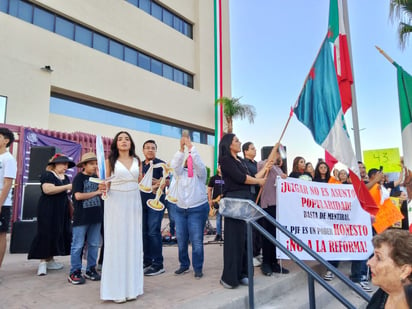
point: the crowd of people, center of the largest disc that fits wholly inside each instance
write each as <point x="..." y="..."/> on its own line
<point x="77" y="218"/>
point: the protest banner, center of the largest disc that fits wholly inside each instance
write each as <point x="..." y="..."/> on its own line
<point x="326" y="217"/>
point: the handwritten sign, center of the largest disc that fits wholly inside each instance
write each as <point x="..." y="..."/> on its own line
<point x="326" y="217"/>
<point x="388" y="158"/>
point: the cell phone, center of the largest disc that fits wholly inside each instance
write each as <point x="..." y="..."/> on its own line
<point x="381" y="168"/>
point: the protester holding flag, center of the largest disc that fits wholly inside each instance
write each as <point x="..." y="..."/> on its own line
<point x="237" y="185"/>
<point x="268" y="203"/>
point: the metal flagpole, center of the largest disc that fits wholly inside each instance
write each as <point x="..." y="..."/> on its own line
<point x="355" y="121"/>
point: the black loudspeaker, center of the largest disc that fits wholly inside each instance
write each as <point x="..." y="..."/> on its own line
<point x="31" y="195"/>
<point x="22" y="236"/>
<point x="39" y="157"/>
<point x="265" y="152"/>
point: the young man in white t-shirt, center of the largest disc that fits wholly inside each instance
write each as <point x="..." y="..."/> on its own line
<point x="8" y="170"/>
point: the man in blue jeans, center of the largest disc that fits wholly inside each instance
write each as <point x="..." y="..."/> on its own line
<point x="87" y="219"/>
<point x="359" y="269"/>
<point x="152" y="218"/>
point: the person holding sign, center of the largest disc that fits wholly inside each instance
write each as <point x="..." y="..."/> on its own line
<point x="237" y="185"/>
<point x="322" y="174"/>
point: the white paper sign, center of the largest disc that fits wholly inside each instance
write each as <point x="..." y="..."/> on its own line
<point x="326" y="217"/>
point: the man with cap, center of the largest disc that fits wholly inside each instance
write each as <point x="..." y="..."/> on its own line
<point x="87" y="219"/>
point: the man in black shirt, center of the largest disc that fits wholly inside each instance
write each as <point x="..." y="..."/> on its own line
<point x="249" y="154"/>
<point x="152" y="219"/>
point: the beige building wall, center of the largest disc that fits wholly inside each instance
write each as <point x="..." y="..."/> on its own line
<point x="84" y="73"/>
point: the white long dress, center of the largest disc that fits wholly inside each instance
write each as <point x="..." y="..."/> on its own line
<point x="122" y="273"/>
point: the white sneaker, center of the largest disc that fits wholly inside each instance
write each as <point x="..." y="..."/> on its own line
<point x="365" y="286"/>
<point x="42" y="270"/>
<point x="328" y="276"/>
<point x="256" y="262"/>
<point x="52" y="264"/>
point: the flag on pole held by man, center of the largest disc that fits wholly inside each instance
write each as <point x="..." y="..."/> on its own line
<point x="319" y="108"/>
<point x="405" y="109"/>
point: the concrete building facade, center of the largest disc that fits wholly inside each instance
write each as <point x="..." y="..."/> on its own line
<point x="100" y="66"/>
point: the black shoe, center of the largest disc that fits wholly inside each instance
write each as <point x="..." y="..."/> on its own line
<point x="266" y="269"/>
<point x="76" y="277"/>
<point x="225" y="285"/>
<point x="182" y="270"/>
<point x="278" y="269"/>
<point x="198" y="275"/>
<point x="146" y="266"/>
<point x="154" y="271"/>
<point x="92" y="274"/>
<point x="218" y="238"/>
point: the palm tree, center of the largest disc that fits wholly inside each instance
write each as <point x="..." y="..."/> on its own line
<point x="232" y="108"/>
<point x="402" y="11"/>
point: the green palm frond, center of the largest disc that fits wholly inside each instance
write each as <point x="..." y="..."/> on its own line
<point x="233" y="108"/>
<point x="401" y="10"/>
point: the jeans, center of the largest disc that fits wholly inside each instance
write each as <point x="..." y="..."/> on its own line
<point x="218" y="223"/>
<point x="190" y="225"/>
<point x="359" y="271"/>
<point x="171" y="209"/>
<point x="152" y="236"/>
<point x="92" y="231"/>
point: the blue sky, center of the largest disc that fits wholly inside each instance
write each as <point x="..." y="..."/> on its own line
<point x="273" y="45"/>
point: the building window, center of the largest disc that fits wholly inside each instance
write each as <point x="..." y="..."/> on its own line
<point x="60" y="25"/>
<point x="164" y="15"/>
<point x="3" y="106"/>
<point x="79" y="109"/>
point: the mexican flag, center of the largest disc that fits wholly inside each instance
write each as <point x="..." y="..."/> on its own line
<point x="337" y="36"/>
<point x="405" y="109"/>
<point x="319" y="108"/>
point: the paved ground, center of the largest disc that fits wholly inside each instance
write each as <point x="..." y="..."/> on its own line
<point x="22" y="288"/>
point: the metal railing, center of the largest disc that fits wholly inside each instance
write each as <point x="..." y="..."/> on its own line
<point x="230" y="208"/>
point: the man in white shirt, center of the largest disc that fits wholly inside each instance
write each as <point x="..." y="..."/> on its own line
<point x="8" y="170"/>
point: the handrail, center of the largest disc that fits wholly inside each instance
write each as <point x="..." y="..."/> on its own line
<point x="311" y="273"/>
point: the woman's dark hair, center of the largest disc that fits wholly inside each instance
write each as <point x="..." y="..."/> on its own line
<point x="317" y="172"/>
<point x="224" y="145"/>
<point x="114" y="152"/>
<point x="295" y="167"/>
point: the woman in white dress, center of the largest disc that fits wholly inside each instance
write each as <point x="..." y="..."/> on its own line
<point x="122" y="272"/>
